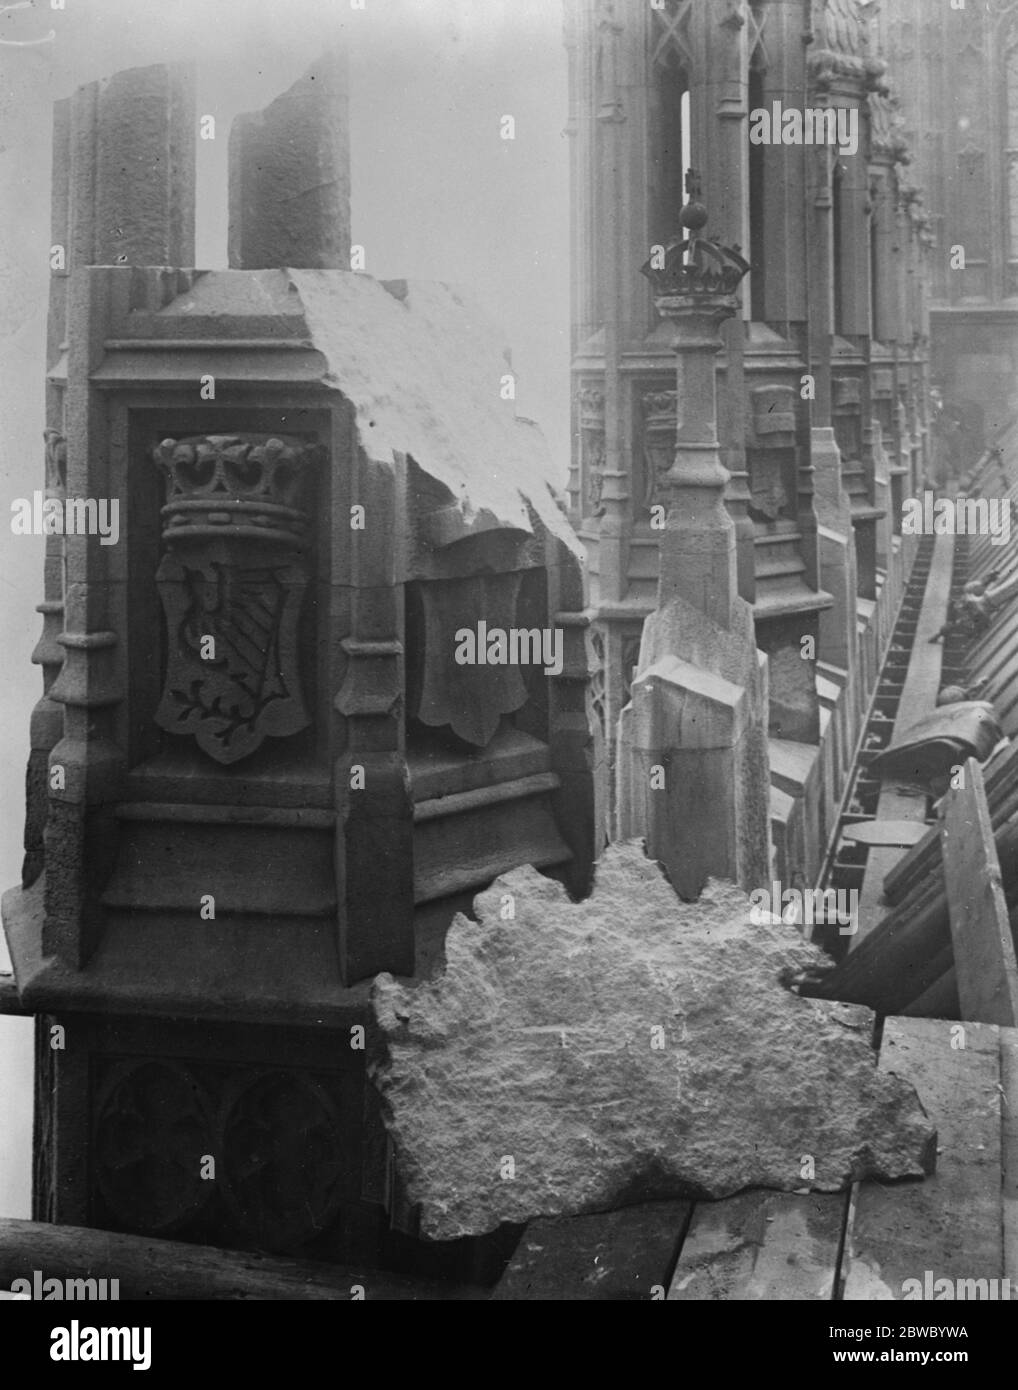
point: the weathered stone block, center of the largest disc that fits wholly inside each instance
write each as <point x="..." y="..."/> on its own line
<point x="578" y="1056"/>
<point x="290" y="176"/>
<point x="126" y="170"/>
<point x="692" y="761"/>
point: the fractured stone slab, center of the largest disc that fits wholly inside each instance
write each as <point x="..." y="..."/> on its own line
<point x="580" y="1056"/>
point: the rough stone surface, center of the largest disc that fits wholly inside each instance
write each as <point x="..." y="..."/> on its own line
<point x="423" y="366"/>
<point x="708" y="732"/>
<point x="525" y="1081"/>
<point x="290" y="175"/>
<point x="126" y="166"/>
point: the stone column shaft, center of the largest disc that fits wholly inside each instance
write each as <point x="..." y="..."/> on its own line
<point x="698" y="543"/>
<point x="290" y="176"/>
<point x="132" y="169"/>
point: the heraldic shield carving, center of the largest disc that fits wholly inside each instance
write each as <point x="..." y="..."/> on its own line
<point x="232" y="580"/>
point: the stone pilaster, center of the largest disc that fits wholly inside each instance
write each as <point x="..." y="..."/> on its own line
<point x="781" y="243"/>
<point x="87" y="765"/>
<point x="374" y="811"/>
<point x="47" y="721"/>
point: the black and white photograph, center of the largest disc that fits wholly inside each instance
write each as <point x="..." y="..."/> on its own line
<point x="509" y="618"/>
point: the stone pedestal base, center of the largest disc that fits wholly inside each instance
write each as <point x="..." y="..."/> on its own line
<point x="692" y="763"/>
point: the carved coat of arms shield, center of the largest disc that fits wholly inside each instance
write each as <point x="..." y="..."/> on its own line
<point x="232" y="581"/>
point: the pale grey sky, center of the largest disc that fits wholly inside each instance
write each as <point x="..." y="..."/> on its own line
<point x="436" y="194"/>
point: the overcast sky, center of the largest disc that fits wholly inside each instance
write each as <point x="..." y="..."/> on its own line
<point x="436" y="194"/>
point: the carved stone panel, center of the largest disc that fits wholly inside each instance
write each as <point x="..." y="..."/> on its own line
<point x="846" y="394"/>
<point x="771" y="485"/>
<point x="283" y="1157"/>
<point x="773" y="416"/>
<point x="460" y="676"/>
<point x="659" y="428"/>
<point x="592" y="448"/>
<point x="255" y="1154"/>
<point x="596" y="693"/>
<point x="232" y="581"/>
<point x="153" y="1123"/>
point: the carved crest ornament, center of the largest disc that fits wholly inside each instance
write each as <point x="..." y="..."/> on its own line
<point x="232" y="580"/>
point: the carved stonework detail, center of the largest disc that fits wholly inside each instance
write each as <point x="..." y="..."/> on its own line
<point x="283" y="1157"/>
<point x="56" y="464"/>
<point x="887" y="129"/>
<point x="842" y="48"/>
<point x="630" y="661"/>
<point x="465" y="688"/>
<point x="232" y="581"/>
<point x="756" y="45"/>
<point x="697" y="266"/>
<point x="152" y="1127"/>
<point x="596" y="686"/>
<point x="768" y="486"/>
<point x="883" y="383"/>
<point x="842" y="27"/>
<point x="846" y="394"/>
<point x="592" y="447"/>
<point x="773" y="412"/>
<point x="659" y="429"/>
<point x="672" y="38"/>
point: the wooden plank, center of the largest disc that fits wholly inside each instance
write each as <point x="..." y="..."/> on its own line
<point x="951" y="1223"/>
<point x="886" y="832"/>
<point x="1009" y="1143"/>
<point x="1001" y="777"/>
<point x="762" y="1245"/>
<point x="940" y="1000"/>
<point x="172" y="1270"/>
<point x="913" y="866"/>
<point x="625" y="1255"/>
<point x="901" y="957"/>
<point x="893" y="966"/>
<point x="980" y="930"/>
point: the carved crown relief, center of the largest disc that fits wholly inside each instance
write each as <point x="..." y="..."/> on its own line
<point x="232" y="580"/>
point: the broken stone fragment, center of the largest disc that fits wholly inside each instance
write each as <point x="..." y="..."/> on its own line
<point x="578" y="1056"/>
